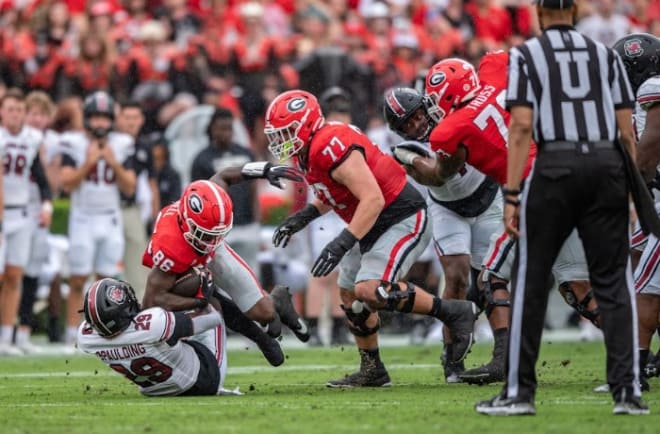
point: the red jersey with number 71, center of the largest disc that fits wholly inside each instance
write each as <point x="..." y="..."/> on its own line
<point x="168" y="250"/>
<point x="482" y="125"/>
<point x="330" y="146"/>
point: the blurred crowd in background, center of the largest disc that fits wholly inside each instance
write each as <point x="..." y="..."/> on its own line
<point x="170" y="54"/>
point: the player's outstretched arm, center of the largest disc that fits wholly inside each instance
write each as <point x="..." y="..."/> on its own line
<point x="274" y="173"/>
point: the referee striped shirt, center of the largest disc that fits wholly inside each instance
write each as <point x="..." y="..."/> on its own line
<point x="573" y="84"/>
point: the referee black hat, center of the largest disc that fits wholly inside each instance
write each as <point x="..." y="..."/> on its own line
<point x="556" y="4"/>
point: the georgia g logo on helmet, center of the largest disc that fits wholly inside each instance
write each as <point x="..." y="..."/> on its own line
<point x="195" y="203"/>
<point x="437" y="78"/>
<point x="296" y="104"/>
<point x="115" y="294"/>
<point x="633" y="48"/>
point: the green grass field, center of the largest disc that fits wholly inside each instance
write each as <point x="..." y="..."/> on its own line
<point x="78" y="394"/>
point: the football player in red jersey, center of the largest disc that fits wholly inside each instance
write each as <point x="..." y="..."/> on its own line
<point x="190" y="233"/>
<point x="387" y="227"/>
<point x="476" y="134"/>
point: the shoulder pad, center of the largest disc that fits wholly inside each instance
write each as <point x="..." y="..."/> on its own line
<point x="648" y="93"/>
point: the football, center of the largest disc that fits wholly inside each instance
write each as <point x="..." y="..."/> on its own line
<point x="188" y="283"/>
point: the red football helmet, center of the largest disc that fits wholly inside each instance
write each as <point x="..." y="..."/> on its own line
<point x="449" y="83"/>
<point x="206" y="213"/>
<point x="291" y="119"/>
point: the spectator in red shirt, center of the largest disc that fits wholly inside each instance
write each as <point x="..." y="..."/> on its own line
<point x="492" y="23"/>
<point x="91" y="69"/>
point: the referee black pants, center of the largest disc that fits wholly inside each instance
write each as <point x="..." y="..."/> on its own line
<point x="589" y="191"/>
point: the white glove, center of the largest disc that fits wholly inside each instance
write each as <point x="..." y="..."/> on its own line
<point x="406" y="152"/>
<point x="404" y="156"/>
<point x="273" y="173"/>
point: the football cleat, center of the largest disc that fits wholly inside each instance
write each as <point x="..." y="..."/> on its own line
<point x="499" y="406"/>
<point x="377" y="377"/>
<point x="271" y="349"/>
<point x="459" y="316"/>
<point x="288" y="315"/>
<point x="491" y="372"/>
<point x="631" y="406"/>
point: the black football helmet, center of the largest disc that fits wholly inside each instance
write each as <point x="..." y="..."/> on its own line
<point x="98" y="103"/>
<point x="640" y="53"/>
<point x="399" y="104"/>
<point x="110" y="306"/>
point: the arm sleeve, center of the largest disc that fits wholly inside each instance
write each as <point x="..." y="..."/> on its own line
<point x="39" y="174"/>
<point x="183" y="327"/>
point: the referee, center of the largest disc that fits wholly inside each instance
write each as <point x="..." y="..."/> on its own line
<point x="571" y="95"/>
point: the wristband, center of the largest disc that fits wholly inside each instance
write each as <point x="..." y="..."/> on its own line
<point x="510" y="191"/>
<point x="514" y="202"/>
<point x="347" y="239"/>
<point x="310" y="212"/>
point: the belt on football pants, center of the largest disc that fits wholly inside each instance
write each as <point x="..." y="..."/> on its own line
<point x="581" y="147"/>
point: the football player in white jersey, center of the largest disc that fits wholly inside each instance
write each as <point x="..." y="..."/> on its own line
<point x="40" y="111"/>
<point x="20" y="148"/>
<point x="640" y="54"/>
<point x="165" y="353"/>
<point x="466" y="209"/>
<point x="94" y="170"/>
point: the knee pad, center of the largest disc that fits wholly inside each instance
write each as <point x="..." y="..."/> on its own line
<point x="391" y="294"/>
<point x="490" y="302"/>
<point x="581" y="306"/>
<point x="357" y="322"/>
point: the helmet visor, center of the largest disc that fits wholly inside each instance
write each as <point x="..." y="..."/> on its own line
<point x="283" y="142"/>
<point x="205" y="240"/>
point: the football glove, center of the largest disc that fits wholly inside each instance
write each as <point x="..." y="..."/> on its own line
<point x="273" y="173"/>
<point x="293" y="224"/>
<point x="206" y="287"/>
<point x="332" y="253"/>
<point x="405" y="152"/>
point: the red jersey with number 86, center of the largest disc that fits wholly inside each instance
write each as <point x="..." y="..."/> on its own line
<point x="482" y="125"/>
<point x="168" y="250"/>
<point x="330" y="146"/>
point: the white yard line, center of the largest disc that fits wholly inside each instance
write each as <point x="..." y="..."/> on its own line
<point x="237" y="370"/>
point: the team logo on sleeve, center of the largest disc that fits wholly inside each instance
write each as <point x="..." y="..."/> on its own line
<point x="296" y="104"/>
<point x="115" y="294"/>
<point x="437" y="78"/>
<point x="195" y="203"/>
<point x="633" y="48"/>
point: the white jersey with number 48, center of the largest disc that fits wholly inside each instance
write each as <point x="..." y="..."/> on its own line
<point x="18" y="154"/>
<point x="98" y="192"/>
<point x="141" y="353"/>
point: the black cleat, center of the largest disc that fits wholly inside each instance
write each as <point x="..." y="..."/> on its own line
<point x="271" y="350"/>
<point x="652" y="368"/>
<point x="491" y="372"/>
<point x="369" y="378"/>
<point x="631" y="406"/>
<point x="459" y="317"/>
<point x="452" y="370"/>
<point x="500" y="406"/>
<point x="288" y="315"/>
